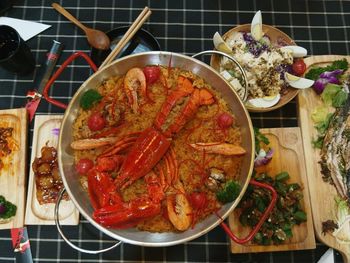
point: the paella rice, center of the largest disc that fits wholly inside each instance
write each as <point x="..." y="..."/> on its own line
<point x="182" y="171"/>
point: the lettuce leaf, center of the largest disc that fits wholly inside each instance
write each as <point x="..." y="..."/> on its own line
<point x="319" y="114"/>
<point x="322" y="126"/>
<point x="339" y="99"/>
<point x="342" y="209"/>
<point x="334" y="95"/>
<point x="329" y="92"/>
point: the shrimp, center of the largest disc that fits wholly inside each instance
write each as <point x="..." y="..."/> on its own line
<point x="134" y="79"/>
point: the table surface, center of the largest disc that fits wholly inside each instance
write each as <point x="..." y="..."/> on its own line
<point x="185" y="27"/>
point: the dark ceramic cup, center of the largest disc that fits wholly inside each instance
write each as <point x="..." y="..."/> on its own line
<point x="15" y="55"/>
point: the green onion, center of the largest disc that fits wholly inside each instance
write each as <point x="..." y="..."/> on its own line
<point x="281" y="188"/>
<point x="259" y="138"/>
<point x="283" y="176"/>
<point x="300" y="216"/>
<point x="260" y="204"/>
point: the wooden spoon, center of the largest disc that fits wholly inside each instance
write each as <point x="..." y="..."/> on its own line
<point x="96" y="38"/>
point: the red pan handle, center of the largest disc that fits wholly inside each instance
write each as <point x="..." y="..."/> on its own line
<point x="58" y="73"/>
<point x="262" y="219"/>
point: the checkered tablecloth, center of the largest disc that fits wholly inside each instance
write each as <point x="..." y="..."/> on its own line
<point x="323" y="27"/>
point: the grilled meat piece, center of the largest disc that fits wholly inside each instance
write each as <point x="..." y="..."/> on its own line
<point x="47" y="179"/>
<point x="336" y="150"/>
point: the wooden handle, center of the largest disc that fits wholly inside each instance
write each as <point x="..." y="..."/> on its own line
<point x="67" y="15"/>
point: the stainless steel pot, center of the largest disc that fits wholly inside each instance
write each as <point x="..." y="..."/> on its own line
<point x="119" y="67"/>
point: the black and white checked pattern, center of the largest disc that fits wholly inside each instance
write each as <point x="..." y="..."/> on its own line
<point x="180" y="26"/>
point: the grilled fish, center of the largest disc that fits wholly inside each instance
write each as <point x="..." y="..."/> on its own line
<point x="335" y="153"/>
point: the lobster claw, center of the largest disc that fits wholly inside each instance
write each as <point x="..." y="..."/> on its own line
<point x="148" y="149"/>
<point x="124" y="215"/>
<point x="101" y="189"/>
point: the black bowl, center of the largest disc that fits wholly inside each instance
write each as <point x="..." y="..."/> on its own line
<point x="141" y="42"/>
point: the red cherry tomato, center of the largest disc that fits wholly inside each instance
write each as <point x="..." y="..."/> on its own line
<point x="225" y="120"/>
<point x="96" y="122"/>
<point x="299" y="67"/>
<point x="152" y="74"/>
<point x="84" y="165"/>
<point x="198" y="200"/>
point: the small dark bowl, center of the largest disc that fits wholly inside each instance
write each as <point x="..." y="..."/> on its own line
<point x="142" y="41"/>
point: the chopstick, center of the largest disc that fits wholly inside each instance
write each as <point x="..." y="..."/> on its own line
<point x="135" y="26"/>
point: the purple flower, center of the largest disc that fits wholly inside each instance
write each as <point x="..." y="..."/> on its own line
<point x="254" y="47"/>
<point x="263" y="157"/>
<point x="55" y="131"/>
<point x="325" y="78"/>
<point x="282" y="68"/>
<point x="331" y="74"/>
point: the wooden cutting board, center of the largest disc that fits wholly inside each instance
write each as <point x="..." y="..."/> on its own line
<point x="46" y="130"/>
<point x="288" y="156"/>
<point x="322" y="194"/>
<point x="13" y="176"/>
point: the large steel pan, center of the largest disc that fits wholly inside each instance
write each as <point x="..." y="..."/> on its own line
<point x="119" y="67"/>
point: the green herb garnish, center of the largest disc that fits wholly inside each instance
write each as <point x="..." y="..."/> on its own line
<point x="89" y="98"/>
<point x="314" y="73"/>
<point x="8" y="209"/>
<point x="340" y="64"/>
<point x="229" y="192"/>
<point x="318" y="142"/>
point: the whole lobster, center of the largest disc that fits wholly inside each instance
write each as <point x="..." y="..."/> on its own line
<point x="148" y="148"/>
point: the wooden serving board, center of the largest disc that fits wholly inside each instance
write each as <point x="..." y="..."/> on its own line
<point x="322" y="194"/>
<point x="45" y="132"/>
<point x="289" y="157"/>
<point x="13" y="175"/>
